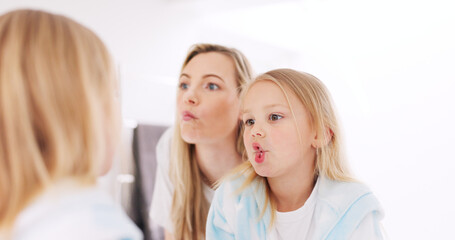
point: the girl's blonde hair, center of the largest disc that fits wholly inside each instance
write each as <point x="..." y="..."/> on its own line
<point x="330" y="160"/>
<point x="189" y="205"/>
<point x="58" y="119"/>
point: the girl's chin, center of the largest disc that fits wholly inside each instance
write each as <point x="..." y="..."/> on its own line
<point x="261" y="170"/>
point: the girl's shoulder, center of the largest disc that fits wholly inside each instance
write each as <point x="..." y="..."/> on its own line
<point x="342" y="206"/>
<point x="235" y="191"/>
<point x="236" y="208"/>
<point x="341" y="195"/>
<point x="237" y="186"/>
<point x="340" y="190"/>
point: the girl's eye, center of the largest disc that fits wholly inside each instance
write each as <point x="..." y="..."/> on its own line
<point x="183" y="86"/>
<point x="213" y="86"/>
<point x="275" y="117"/>
<point x="249" y="122"/>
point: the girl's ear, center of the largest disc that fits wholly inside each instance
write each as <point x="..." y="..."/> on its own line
<point x="322" y="139"/>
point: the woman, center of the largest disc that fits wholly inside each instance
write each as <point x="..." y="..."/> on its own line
<point x="204" y="143"/>
<point x="59" y="121"/>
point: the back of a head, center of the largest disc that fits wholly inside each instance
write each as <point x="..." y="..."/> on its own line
<point x="58" y="116"/>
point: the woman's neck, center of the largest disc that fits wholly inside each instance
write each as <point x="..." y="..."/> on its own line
<point x="292" y="190"/>
<point x="217" y="158"/>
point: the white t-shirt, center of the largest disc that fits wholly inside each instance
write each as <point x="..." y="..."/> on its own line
<point x="160" y="209"/>
<point x="296" y="224"/>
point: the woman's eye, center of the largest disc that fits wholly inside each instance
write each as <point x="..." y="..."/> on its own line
<point x="249" y="122"/>
<point x="183" y="86"/>
<point x="213" y="86"/>
<point x="274" y="117"/>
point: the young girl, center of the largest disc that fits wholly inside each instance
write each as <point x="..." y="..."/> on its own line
<point x="295" y="184"/>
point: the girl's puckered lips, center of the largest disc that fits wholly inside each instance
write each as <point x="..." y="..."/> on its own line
<point x="259" y="153"/>
<point x="257" y="147"/>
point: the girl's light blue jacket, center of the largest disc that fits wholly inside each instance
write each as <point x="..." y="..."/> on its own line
<point x="340" y="209"/>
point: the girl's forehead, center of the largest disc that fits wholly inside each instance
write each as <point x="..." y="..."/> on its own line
<point x="264" y="92"/>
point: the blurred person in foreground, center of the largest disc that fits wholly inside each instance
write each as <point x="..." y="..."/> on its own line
<point x="59" y="126"/>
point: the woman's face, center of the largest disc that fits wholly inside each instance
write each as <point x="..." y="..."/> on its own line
<point x="207" y="100"/>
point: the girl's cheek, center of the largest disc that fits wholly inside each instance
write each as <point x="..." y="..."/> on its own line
<point x="280" y="137"/>
<point x="277" y="135"/>
<point x="246" y="138"/>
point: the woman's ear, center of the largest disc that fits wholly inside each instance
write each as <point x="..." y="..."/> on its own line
<point x="321" y="139"/>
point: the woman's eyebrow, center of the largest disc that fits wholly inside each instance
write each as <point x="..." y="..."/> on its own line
<point x="205" y="76"/>
<point x="184" y="75"/>
<point x="213" y="75"/>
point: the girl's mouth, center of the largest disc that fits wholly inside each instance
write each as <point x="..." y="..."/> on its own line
<point x="259" y="153"/>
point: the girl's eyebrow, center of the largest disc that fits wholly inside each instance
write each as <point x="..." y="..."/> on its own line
<point x="267" y="107"/>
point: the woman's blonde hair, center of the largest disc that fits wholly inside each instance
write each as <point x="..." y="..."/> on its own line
<point x="330" y="160"/>
<point x="189" y="205"/>
<point x="58" y="119"/>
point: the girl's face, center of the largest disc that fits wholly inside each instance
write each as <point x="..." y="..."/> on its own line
<point x="208" y="106"/>
<point x="274" y="144"/>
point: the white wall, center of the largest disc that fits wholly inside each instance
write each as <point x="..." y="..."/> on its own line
<point x="389" y="65"/>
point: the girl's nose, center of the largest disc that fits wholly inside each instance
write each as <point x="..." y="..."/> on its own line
<point x="258" y="133"/>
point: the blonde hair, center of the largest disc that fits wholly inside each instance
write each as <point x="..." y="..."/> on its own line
<point x="330" y="160"/>
<point x="189" y="205"/>
<point x="57" y="116"/>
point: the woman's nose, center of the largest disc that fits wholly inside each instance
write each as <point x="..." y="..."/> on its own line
<point x="191" y="98"/>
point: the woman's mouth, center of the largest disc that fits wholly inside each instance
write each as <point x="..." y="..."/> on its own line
<point x="187" y="116"/>
<point x="259" y="153"/>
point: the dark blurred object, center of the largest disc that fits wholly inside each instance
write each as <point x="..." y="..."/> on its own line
<point x="145" y="139"/>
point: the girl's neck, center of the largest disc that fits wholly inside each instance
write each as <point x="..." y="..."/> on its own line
<point x="215" y="159"/>
<point x="291" y="191"/>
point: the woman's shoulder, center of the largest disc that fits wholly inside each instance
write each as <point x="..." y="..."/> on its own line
<point x="165" y="141"/>
<point x="85" y="213"/>
<point x="163" y="147"/>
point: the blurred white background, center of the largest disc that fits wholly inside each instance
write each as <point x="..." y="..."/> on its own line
<point x="390" y="66"/>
